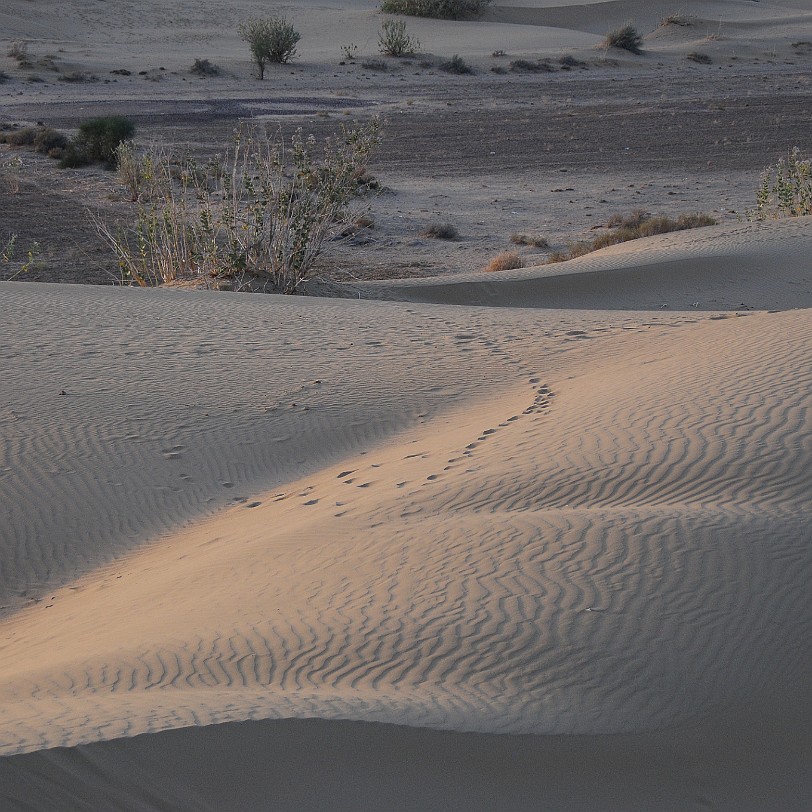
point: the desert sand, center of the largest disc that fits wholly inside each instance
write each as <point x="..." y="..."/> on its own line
<point x="537" y="539"/>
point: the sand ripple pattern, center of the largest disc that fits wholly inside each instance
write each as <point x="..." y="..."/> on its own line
<point x="621" y="548"/>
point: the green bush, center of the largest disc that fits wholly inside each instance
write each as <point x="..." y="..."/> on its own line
<point x="394" y="41"/>
<point x="270" y="40"/>
<point x="786" y="189"/>
<point x="626" y="38"/>
<point x="439" y="9"/>
<point x="98" y="141"/>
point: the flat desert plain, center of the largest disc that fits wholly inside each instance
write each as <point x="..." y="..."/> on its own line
<point x="429" y="537"/>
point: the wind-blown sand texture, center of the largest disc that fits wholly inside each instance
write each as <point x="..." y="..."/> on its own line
<point x="530" y="540"/>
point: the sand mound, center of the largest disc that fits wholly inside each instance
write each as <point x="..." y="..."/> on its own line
<point x="756" y="266"/>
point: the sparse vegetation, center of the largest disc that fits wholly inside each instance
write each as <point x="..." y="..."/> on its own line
<point x="525" y="66"/>
<point x="4" y="77"/>
<point x="626" y="37"/>
<point x="262" y="210"/>
<point x="375" y="64"/>
<point x="97" y="142"/>
<point x="439" y="9"/>
<point x="440" y="231"/>
<point x="524" y="239"/>
<point x="681" y="20"/>
<point x="394" y="41"/>
<point x="785" y="190"/>
<point x="202" y="67"/>
<point x="44" y="140"/>
<point x="19" y="50"/>
<point x="349" y="52"/>
<point x="10" y="172"/>
<point x="568" y="62"/>
<point x="270" y="40"/>
<point x="632" y="227"/>
<point x="698" y="57"/>
<point x="506" y="261"/>
<point x="456" y="65"/>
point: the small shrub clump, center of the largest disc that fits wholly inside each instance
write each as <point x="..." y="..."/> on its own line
<point x="394" y="41"/>
<point x="699" y="58"/>
<point x="44" y="140"/>
<point x="440" y="231"/>
<point x="97" y="142"/>
<point x="270" y="40"/>
<point x="524" y="239"/>
<point x="202" y="67"/>
<point x="263" y="209"/>
<point x="456" y="65"/>
<point x="785" y="190"/>
<point x="626" y="37"/>
<point x="506" y="261"/>
<point x="632" y="227"/>
<point x="438" y="9"/>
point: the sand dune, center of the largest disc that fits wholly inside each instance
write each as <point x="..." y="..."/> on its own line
<point x="601" y="529"/>
<point x="537" y="539"/>
<point x="754" y="266"/>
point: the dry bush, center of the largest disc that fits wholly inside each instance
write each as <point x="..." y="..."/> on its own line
<point x="525" y="66"/>
<point x="568" y="62"/>
<point x="785" y="190"/>
<point x="681" y="20"/>
<point x="263" y="209"/>
<point x="10" y="172"/>
<point x="440" y="231"/>
<point x="394" y="41"/>
<point x="632" y="227"/>
<point x="506" y="261"/>
<point x="456" y="65"/>
<point x="439" y="9"/>
<point x="524" y="239"/>
<point x="42" y="139"/>
<point x="625" y="37"/>
<point x="698" y="57"/>
<point x="19" y="50"/>
<point x="202" y="67"/>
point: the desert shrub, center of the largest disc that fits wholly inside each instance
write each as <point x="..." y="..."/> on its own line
<point x="456" y="65"/>
<point x="439" y="9"/>
<point x="10" y="173"/>
<point x="270" y="40"/>
<point x="682" y="20"/>
<point x="375" y="64"/>
<point x="632" y="227"/>
<point x="785" y="190"/>
<point x="263" y="209"/>
<point x="698" y="57"/>
<point x="349" y="52"/>
<point x="625" y="37"/>
<point x="440" y="231"/>
<point x="394" y="41"/>
<point x="568" y="62"/>
<point x="202" y="67"/>
<point x="98" y="140"/>
<point x="19" y="51"/>
<point x="506" y="261"/>
<point x="525" y="66"/>
<point x="524" y="239"/>
<point x="41" y="139"/>
<point x="76" y="76"/>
